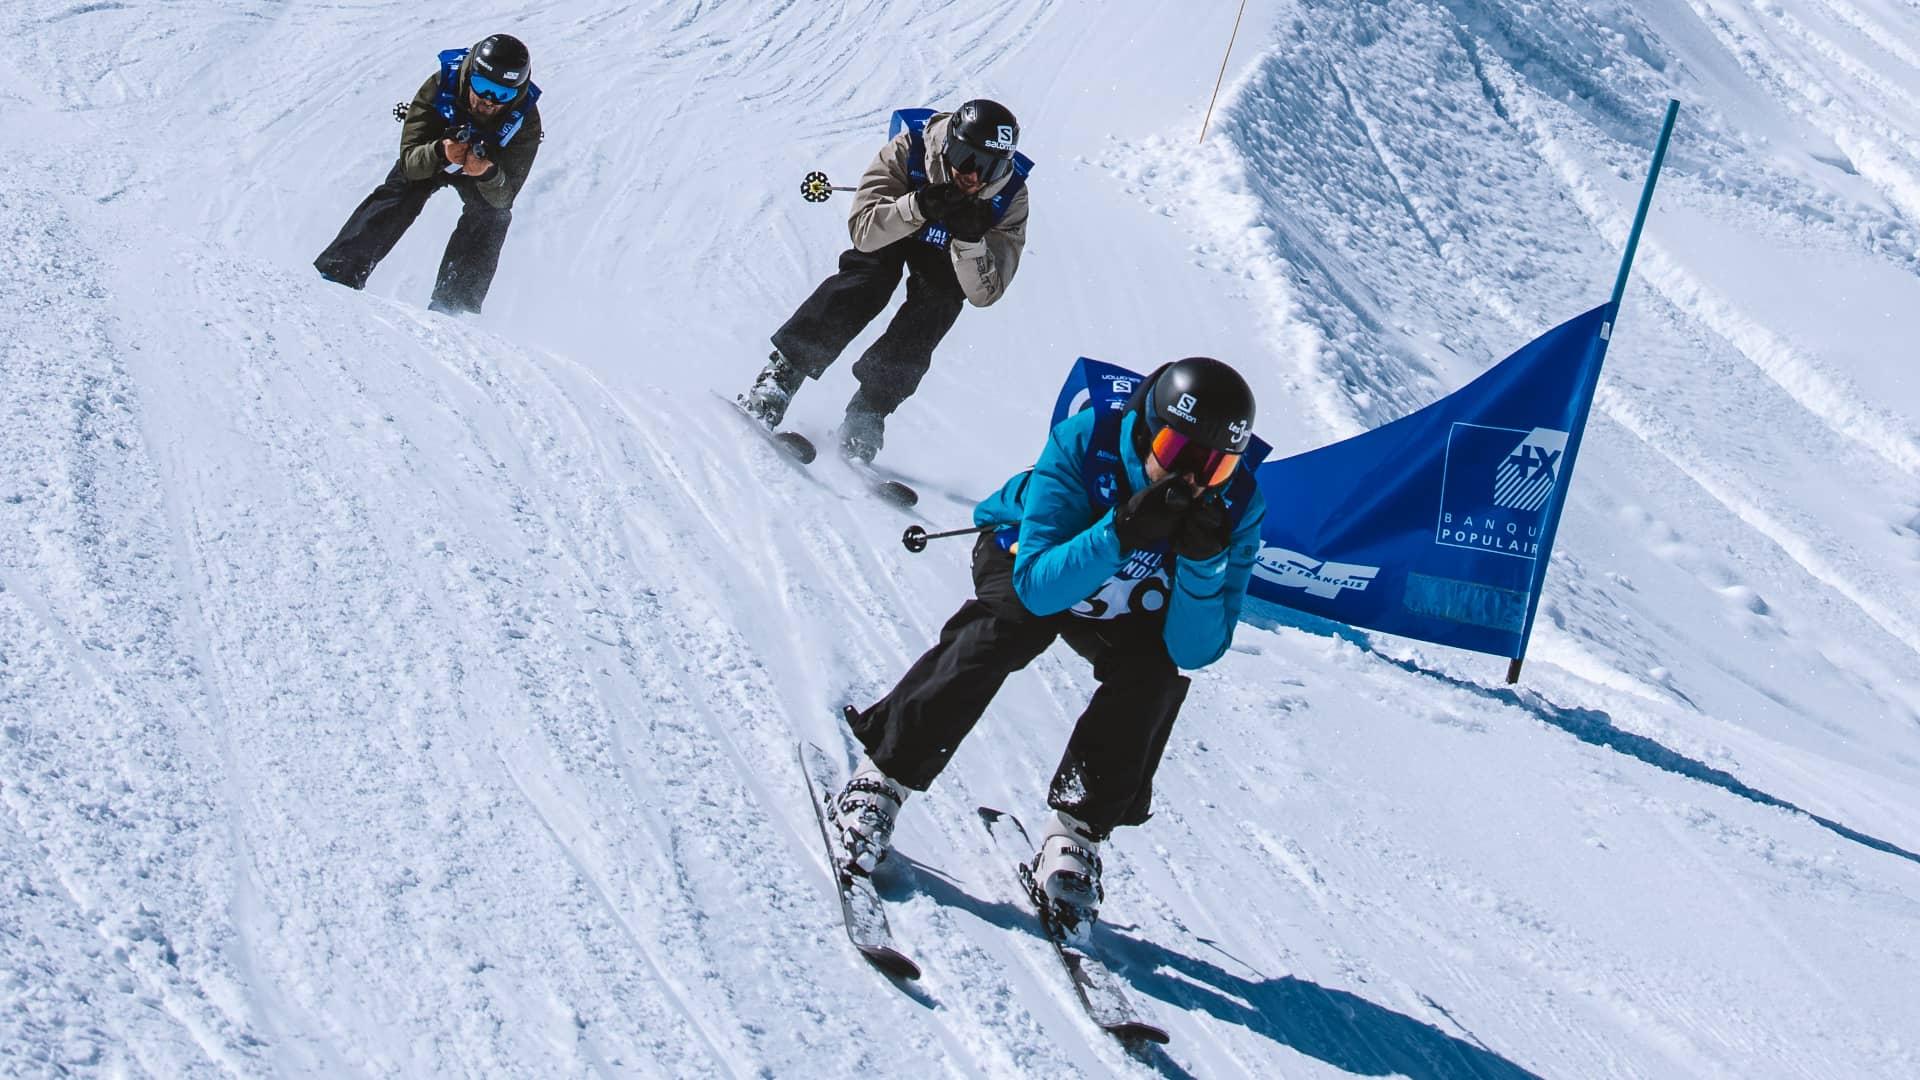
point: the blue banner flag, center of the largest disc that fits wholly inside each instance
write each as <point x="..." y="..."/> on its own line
<point x="1436" y="526"/>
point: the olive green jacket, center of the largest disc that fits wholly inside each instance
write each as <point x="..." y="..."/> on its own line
<point x="421" y="156"/>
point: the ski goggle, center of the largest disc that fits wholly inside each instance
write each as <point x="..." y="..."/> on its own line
<point x="988" y="165"/>
<point x="1178" y="454"/>
<point x="492" y="91"/>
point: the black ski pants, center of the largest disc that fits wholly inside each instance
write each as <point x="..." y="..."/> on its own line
<point x="842" y="306"/>
<point x="1105" y="777"/>
<point x="473" y="251"/>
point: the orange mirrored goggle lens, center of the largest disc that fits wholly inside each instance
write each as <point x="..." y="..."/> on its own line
<point x="1178" y="454"/>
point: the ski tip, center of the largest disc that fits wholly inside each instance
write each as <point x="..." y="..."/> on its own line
<point x="991" y="816"/>
<point x="1135" y="1031"/>
<point x="891" y="962"/>
<point x="993" y="819"/>
<point x="897" y="493"/>
<point x="797" y="446"/>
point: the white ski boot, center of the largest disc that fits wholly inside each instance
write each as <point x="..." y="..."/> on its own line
<point x="1067" y="870"/>
<point x="863" y="815"/>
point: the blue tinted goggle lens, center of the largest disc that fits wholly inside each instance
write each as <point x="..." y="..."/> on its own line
<point x="491" y="90"/>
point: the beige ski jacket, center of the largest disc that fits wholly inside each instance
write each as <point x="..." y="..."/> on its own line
<point x="884" y="212"/>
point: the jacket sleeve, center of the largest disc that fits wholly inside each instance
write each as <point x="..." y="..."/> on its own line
<point x="1003" y="507"/>
<point x="515" y="161"/>
<point x="1062" y="559"/>
<point x="883" y="206"/>
<point x="420" y="137"/>
<point x="1207" y="595"/>
<point x="985" y="269"/>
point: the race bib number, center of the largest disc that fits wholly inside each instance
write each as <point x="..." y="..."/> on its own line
<point x="1141" y="587"/>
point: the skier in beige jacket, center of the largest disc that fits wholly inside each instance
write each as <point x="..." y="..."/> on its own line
<point x="946" y="202"/>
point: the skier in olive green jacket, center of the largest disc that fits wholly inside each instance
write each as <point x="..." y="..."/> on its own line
<point x="475" y="126"/>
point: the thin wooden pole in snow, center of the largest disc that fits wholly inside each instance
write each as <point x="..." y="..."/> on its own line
<point x="1223" y="71"/>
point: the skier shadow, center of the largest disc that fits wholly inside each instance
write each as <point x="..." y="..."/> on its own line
<point x="1342" y="1029"/>
<point x="1596" y="728"/>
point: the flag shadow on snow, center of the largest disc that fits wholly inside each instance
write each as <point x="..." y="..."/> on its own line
<point x="1596" y="728"/>
<point x="1590" y="726"/>
<point x="1342" y="1029"/>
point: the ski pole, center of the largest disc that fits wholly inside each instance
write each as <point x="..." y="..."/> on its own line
<point x="817" y="188"/>
<point x="915" y="538"/>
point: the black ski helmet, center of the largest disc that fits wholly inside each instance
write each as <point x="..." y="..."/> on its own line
<point x="1203" y="399"/>
<point x="981" y="138"/>
<point x="502" y="59"/>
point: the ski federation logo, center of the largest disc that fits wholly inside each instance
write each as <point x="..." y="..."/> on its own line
<point x="1495" y="490"/>
<point x="1317" y="577"/>
<point x="1004" y="141"/>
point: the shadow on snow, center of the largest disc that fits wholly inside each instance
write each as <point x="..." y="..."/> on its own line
<point x="1597" y="728"/>
<point x="1342" y="1029"/>
<point x="1588" y="725"/>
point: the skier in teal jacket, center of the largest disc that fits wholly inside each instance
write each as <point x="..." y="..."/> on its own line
<point x="1133" y="538"/>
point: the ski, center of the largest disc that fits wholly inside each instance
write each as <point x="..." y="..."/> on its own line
<point x="800" y="450"/>
<point x="887" y="488"/>
<point x="860" y="905"/>
<point x="794" y="445"/>
<point x="1099" y="989"/>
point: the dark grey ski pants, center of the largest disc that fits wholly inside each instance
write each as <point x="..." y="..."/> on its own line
<point x="1105" y="777"/>
<point x="382" y="218"/>
<point x="842" y="306"/>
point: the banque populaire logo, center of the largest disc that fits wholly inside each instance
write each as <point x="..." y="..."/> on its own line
<point x="1496" y="487"/>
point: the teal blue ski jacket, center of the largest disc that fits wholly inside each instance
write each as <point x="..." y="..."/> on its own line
<point x="1067" y="550"/>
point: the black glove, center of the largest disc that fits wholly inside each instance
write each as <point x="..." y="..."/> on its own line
<point x="1150" y="517"/>
<point x="1203" y="533"/>
<point x="936" y="201"/>
<point x="970" y="221"/>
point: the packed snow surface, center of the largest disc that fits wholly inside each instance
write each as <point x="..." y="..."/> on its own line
<point x="387" y="694"/>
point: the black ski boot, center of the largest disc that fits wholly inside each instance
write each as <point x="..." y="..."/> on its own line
<point x="863" y="430"/>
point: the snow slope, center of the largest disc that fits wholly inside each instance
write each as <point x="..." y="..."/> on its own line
<point x="382" y="694"/>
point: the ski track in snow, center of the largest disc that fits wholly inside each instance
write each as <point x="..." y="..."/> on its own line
<point x="392" y="695"/>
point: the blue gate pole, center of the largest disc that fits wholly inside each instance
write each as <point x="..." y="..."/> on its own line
<point x="1586" y="404"/>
